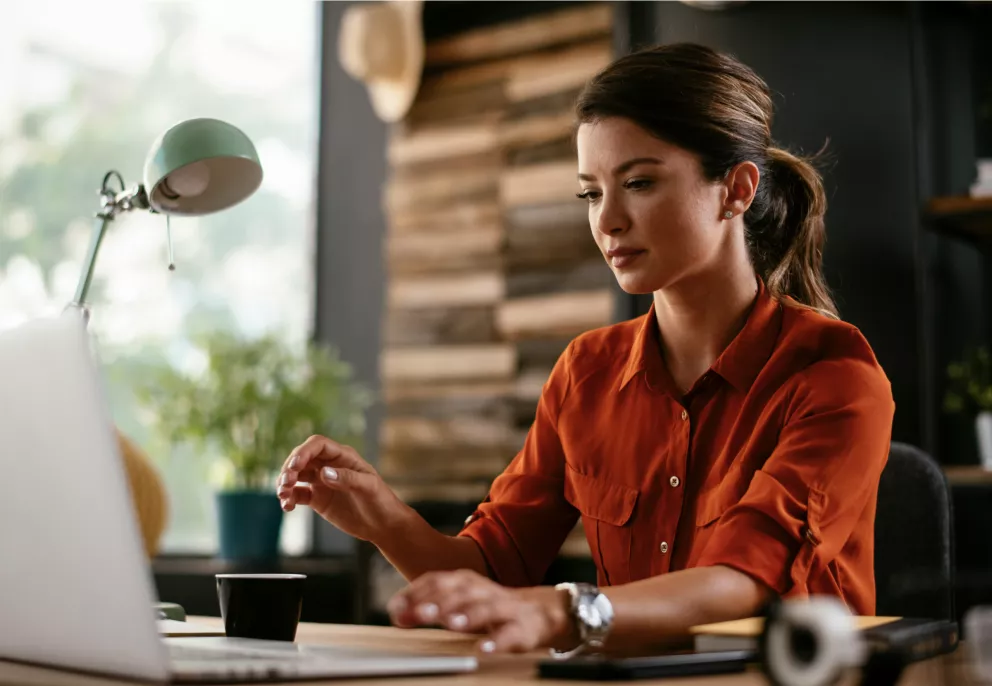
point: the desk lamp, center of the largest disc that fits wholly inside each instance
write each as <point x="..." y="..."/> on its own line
<point x="197" y="167"/>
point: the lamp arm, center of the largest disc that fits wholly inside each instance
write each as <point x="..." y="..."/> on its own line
<point x="112" y="203"/>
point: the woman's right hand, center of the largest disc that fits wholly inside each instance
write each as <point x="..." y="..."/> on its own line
<point x="341" y="487"/>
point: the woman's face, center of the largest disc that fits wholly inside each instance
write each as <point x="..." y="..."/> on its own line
<point x="654" y="215"/>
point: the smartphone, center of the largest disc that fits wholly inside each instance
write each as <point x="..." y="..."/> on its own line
<point x="600" y="668"/>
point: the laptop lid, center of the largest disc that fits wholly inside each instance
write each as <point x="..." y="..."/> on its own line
<point x="75" y="589"/>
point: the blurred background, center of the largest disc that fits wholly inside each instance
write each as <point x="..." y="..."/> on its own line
<point x="444" y="258"/>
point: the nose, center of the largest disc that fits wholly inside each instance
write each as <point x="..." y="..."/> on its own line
<point x="611" y="217"/>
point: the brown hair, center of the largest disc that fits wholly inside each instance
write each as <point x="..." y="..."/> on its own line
<point x="718" y="108"/>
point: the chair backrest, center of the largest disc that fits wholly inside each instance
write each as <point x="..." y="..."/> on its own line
<point x="914" y="556"/>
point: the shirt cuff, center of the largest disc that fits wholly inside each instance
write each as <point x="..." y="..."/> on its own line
<point x="498" y="549"/>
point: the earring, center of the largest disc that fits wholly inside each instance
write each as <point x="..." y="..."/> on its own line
<point x="728" y="215"/>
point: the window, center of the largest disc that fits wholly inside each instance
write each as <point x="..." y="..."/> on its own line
<point x="86" y="88"/>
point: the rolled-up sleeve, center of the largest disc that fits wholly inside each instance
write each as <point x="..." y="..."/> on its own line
<point x="819" y="483"/>
<point x="524" y="520"/>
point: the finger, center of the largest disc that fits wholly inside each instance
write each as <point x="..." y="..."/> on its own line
<point x="433" y="596"/>
<point x="479" y="617"/>
<point x="511" y="637"/>
<point x="320" y="447"/>
<point x="289" y="498"/>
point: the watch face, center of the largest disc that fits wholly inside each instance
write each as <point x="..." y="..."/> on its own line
<point x="603" y="608"/>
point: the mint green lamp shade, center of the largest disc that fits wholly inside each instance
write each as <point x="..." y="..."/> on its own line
<point x="201" y="166"/>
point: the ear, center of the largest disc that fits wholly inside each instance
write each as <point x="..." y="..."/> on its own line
<point x="741" y="183"/>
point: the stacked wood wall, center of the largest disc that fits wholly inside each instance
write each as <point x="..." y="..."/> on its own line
<point x="491" y="266"/>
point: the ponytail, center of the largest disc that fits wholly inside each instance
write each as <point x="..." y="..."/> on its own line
<point x="785" y="231"/>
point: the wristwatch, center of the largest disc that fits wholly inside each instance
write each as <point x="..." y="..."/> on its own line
<point x="593" y="614"/>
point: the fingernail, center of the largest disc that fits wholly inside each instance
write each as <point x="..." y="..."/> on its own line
<point x="283" y="503"/>
<point x="284" y="479"/>
<point x="488" y="646"/>
<point x="427" y="611"/>
<point x="295" y="462"/>
<point x="329" y="474"/>
<point x="457" y="622"/>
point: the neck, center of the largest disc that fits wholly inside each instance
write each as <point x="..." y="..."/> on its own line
<point x="699" y="316"/>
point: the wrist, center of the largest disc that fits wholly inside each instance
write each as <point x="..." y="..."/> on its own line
<point x="566" y="634"/>
<point x="397" y="522"/>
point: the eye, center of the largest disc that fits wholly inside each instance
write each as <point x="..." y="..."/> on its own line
<point x="637" y="184"/>
<point x="588" y="195"/>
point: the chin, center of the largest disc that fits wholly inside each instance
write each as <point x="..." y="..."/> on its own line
<point x="636" y="284"/>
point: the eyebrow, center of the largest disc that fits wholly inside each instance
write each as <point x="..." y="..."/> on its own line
<point x="621" y="168"/>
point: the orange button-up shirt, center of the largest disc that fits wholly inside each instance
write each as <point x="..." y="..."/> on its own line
<point x="769" y="464"/>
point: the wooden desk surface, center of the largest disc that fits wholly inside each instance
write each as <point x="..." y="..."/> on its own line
<point x="498" y="670"/>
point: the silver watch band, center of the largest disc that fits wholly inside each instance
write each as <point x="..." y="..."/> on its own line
<point x="593" y="615"/>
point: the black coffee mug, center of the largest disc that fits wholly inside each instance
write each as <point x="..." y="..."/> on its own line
<point x="265" y="606"/>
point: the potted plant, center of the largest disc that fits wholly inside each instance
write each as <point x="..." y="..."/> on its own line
<point x="253" y="403"/>
<point x="970" y="390"/>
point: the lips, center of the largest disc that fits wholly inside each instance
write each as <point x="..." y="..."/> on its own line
<point x="621" y="257"/>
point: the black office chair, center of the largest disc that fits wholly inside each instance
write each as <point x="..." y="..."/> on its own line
<point x="914" y="545"/>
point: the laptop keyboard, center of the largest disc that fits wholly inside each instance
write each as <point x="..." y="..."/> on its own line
<point x="203" y="665"/>
<point x="227" y="654"/>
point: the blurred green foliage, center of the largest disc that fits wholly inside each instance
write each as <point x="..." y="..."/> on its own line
<point x="969" y="386"/>
<point x="256" y="400"/>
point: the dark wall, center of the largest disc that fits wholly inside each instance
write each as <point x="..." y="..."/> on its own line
<point x="842" y="72"/>
<point x="350" y="227"/>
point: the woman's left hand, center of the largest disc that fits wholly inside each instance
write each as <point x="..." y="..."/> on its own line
<point x="512" y="619"/>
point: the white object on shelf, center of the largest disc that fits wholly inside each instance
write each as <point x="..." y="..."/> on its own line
<point x="983" y="431"/>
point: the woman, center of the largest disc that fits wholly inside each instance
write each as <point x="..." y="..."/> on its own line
<point x="722" y="448"/>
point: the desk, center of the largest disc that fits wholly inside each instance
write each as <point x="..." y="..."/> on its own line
<point x="495" y="670"/>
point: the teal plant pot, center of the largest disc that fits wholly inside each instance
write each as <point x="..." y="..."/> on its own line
<point x="249" y="523"/>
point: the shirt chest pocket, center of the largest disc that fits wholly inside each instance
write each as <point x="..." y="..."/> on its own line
<point x="606" y="508"/>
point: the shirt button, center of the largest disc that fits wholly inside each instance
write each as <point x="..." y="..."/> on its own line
<point x="663" y="547"/>
<point x="674" y="482"/>
<point x="685" y="415"/>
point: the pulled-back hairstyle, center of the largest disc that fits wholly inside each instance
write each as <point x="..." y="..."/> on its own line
<point x="716" y="107"/>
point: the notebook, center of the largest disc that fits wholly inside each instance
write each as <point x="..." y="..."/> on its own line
<point x="742" y="634"/>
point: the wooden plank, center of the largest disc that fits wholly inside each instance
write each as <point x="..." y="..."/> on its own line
<point x="518" y="78"/>
<point x="432" y="326"/>
<point x="591" y="273"/>
<point x="409" y="432"/>
<point x="433" y="142"/>
<point x="434" y="105"/>
<point x="556" y="72"/>
<point x="404" y="193"/>
<point x="455" y="290"/>
<point x="968" y="475"/>
<point x="456" y="216"/>
<point x="496" y="407"/>
<point x="535" y="129"/>
<point x="549" y="183"/>
<point x="532" y="33"/>
<point x="451" y="464"/>
<point x="554" y="316"/>
<point x="441" y="491"/>
<point x="552" y="151"/>
<point x="576" y="543"/>
<point x="450" y="390"/>
<point x="420" y="252"/>
<point x="451" y="363"/>
<point x="540" y="352"/>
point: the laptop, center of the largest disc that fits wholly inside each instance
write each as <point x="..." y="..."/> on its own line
<point x="76" y="590"/>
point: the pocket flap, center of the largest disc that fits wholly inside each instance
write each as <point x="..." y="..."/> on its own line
<point x="599" y="499"/>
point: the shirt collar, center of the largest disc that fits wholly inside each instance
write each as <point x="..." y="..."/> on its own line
<point x="739" y="364"/>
